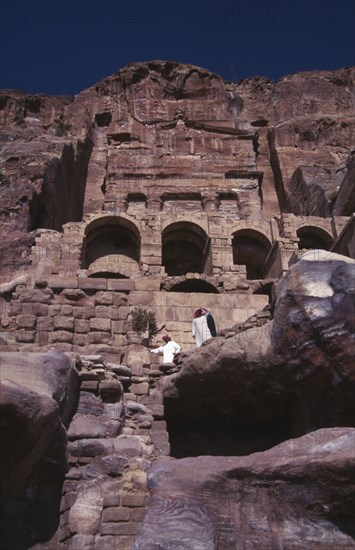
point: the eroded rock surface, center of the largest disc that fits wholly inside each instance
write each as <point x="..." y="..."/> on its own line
<point x="149" y="122"/>
<point x="37" y="398"/>
<point x="298" y="495"/>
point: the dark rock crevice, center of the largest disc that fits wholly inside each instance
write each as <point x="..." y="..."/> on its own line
<point x="61" y="197"/>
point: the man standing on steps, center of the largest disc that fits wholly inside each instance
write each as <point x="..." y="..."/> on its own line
<point x="200" y="330"/>
<point x="168" y="350"/>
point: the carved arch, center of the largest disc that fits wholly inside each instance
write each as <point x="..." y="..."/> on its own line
<point x="314" y="237"/>
<point x="250" y="248"/>
<point x="186" y="248"/>
<point x="111" y="244"/>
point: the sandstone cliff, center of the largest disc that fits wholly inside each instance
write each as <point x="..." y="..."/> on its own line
<point x="62" y="157"/>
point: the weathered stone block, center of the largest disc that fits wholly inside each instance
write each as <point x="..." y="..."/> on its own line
<point x="62" y="336"/>
<point x="114" y="313"/>
<point x="86" y="427"/>
<point x="77" y="312"/>
<point x="133" y="500"/>
<point x="64" y="323"/>
<point x="25" y="336"/>
<point x="160" y="441"/>
<point x="81" y="325"/>
<point x="124" y="285"/>
<point x="138" y="354"/>
<point x="140" y="389"/>
<point x="118" y="327"/>
<point x="67" y="310"/>
<point x="15" y="309"/>
<point x="92" y="284"/>
<point x="63" y="282"/>
<point x="102" y="311"/>
<point x="85" y="515"/>
<point x="157" y="411"/>
<point x="37" y="295"/>
<point x="28" y="309"/>
<point x="111" y="387"/>
<point x="44" y="324"/>
<point x="127" y="445"/>
<point x="88" y="312"/>
<point x="137" y="369"/>
<point x="80" y="339"/>
<point x="26" y="321"/>
<point x="140" y="298"/>
<point x="119" y="299"/>
<point x="42" y="338"/>
<point x="99" y="337"/>
<point x="147" y="284"/>
<point x="112" y="499"/>
<point x="90" y="447"/>
<point x="124" y="312"/>
<point x="159" y="426"/>
<point x="103" y="298"/>
<point x="100" y="324"/>
<point x="90" y="385"/>
<point x="54" y="310"/>
<point x="116" y="514"/>
<point x="119" y="529"/>
<point x="41" y="310"/>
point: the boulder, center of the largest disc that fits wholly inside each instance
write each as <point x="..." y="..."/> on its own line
<point x="298" y="495"/>
<point x="37" y="398"/>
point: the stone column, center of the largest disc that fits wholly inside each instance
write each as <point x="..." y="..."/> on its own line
<point x="154" y="203"/>
<point x="210" y="203"/>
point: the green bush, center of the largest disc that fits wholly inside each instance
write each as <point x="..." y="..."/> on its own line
<point x="143" y="320"/>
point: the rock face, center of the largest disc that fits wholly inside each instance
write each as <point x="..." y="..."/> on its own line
<point x="38" y="396"/>
<point x="300" y="494"/>
<point x="164" y="186"/>
<point x="160" y="120"/>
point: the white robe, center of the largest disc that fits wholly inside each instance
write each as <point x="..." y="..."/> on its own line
<point x="200" y="330"/>
<point x="168" y="351"/>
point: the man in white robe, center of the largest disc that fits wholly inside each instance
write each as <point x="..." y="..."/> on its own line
<point x="200" y="330"/>
<point x="168" y="350"/>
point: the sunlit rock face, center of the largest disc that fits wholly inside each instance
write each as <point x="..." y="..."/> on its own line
<point x="313" y="335"/>
<point x="157" y="123"/>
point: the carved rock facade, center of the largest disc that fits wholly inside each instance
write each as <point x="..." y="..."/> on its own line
<point x="164" y="186"/>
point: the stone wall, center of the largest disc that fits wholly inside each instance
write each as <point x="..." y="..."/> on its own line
<point x="117" y="433"/>
<point x="93" y="315"/>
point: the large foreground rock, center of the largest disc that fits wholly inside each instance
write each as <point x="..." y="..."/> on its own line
<point x="37" y="396"/>
<point x="299" y="495"/>
<point x="249" y="392"/>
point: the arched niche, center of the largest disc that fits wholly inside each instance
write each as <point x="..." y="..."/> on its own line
<point x="312" y="238"/>
<point x="194" y="285"/>
<point x="111" y="244"/>
<point x="185" y="249"/>
<point x="250" y="248"/>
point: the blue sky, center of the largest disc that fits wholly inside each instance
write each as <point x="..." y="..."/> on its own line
<point x="62" y="46"/>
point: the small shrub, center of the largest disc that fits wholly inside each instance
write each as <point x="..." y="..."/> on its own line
<point x="143" y="320"/>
